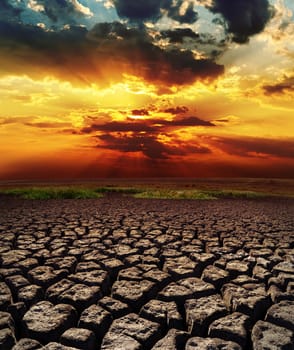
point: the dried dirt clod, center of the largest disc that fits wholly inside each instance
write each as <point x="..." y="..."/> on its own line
<point x="80" y="338"/>
<point x="180" y="267"/>
<point x="250" y="299"/>
<point x="87" y="266"/>
<point x="261" y="253"/>
<point x="236" y="267"/>
<point x="197" y="287"/>
<point x="282" y="314"/>
<point x="45" y="276"/>
<point x="96" y="319"/>
<point x="197" y="343"/>
<point x="80" y="296"/>
<point x="203" y="259"/>
<point x="131" y="273"/>
<point x="27" y="344"/>
<point x="113" y="341"/>
<point x="285" y="266"/>
<point x="286" y="278"/>
<point x="46" y="322"/>
<point x="5" y="296"/>
<point x="144" y="331"/>
<point x="6" y="321"/>
<point x="30" y="294"/>
<point x="165" y="313"/>
<point x="27" y="264"/>
<point x="15" y="283"/>
<point x="174" y="340"/>
<point x="134" y="293"/>
<point x="175" y="292"/>
<point x="261" y="274"/>
<point x="116" y="307"/>
<point x="233" y="327"/>
<point x="7" y="339"/>
<point x="215" y="275"/>
<point x="91" y="278"/>
<point x="9" y="271"/>
<point x="66" y="262"/>
<point x="13" y="256"/>
<point x="269" y="336"/>
<point x="53" y="292"/>
<point x="200" y="313"/>
<point x="243" y="279"/>
<point x="157" y="276"/>
<point x="112" y="266"/>
<point x="124" y="250"/>
<point x="57" y="346"/>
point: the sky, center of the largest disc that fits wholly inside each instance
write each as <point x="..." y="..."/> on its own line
<point x="137" y="88"/>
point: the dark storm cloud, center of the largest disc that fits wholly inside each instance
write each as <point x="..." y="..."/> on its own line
<point x="83" y="56"/>
<point x="39" y="41"/>
<point x="154" y="125"/>
<point x="287" y="85"/>
<point x="63" y="10"/>
<point x="140" y="10"/>
<point x="189" y="121"/>
<point x="8" y="10"/>
<point x="145" y="136"/>
<point x="178" y="35"/>
<point x="181" y="122"/>
<point x="174" y="11"/>
<point x="255" y="147"/>
<point x="174" y="66"/>
<point x="181" y="67"/>
<point x="176" y="110"/>
<point x="206" y="44"/>
<point x="119" y="127"/>
<point x="141" y="112"/>
<point x="244" y="17"/>
<point x="149" y="145"/>
<point x="31" y="50"/>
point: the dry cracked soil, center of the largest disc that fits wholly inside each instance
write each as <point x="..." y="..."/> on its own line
<point x="120" y="273"/>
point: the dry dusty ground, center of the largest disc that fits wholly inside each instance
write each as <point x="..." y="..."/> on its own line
<point x="122" y="273"/>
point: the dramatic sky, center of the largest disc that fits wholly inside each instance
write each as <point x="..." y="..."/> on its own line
<point x="122" y="88"/>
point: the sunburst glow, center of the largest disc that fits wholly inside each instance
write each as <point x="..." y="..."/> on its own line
<point x="105" y="88"/>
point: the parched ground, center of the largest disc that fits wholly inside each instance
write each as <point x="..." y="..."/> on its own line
<point x="119" y="273"/>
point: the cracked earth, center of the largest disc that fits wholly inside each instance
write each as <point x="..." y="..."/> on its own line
<point x="119" y="273"/>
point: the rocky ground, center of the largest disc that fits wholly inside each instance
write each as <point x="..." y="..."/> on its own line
<point x="126" y="274"/>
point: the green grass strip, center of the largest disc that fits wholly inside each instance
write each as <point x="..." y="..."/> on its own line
<point x="88" y="193"/>
<point x="120" y="190"/>
<point x="199" y="194"/>
<point x="53" y="193"/>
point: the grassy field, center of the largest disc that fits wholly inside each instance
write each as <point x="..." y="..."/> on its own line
<point x="198" y="194"/>
<point x="52" y="193"/>
<point x="162" y="188"/>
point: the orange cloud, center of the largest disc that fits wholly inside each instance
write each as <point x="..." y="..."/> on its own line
<point x="286" y="85"/>
<point x="254" y="147"/>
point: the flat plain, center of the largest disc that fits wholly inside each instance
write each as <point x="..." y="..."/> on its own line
<point x="122" y="273"/>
